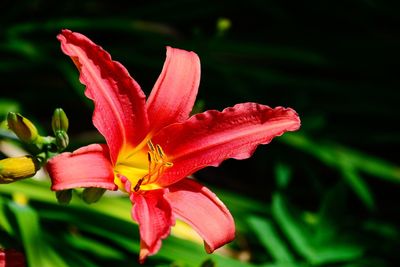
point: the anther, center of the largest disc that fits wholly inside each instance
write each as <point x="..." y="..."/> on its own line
<point x="151" y="146"/>
<point x="137" y="186"/>
<point x="160" y="151"/>
<point x="168" y="164"/>
<point x="157" y="164"/>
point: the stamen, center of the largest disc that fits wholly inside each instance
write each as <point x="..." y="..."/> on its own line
<point x="139" y="183"/>
<point x="149" y="157"/>
<point x="152" y="164"/>
<point x="160" y="151"/>
<point x="157" y="164"/>
<point x="151" y="146"/>
<point x="168" y="164"/>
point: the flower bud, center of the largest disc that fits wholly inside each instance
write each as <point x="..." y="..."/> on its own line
<point x="64" y="196"/>
<point x="14" y="169"/>
<point x="62" y="140"/>
<point x="59" y="121"/>
<point x="92" y="194"/>
<point x="22" y="127"/>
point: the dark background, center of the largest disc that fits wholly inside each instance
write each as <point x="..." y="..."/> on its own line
<point x="335" y="62"/>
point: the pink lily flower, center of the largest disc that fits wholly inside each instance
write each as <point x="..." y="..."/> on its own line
<point x="153" y="146"/>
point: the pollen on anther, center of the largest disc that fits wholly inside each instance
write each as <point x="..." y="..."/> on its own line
<point x="151" y="146"/>
<point x="137" y="186"/>
<point x="160" y="151"/>
<point x="168" y="164"/>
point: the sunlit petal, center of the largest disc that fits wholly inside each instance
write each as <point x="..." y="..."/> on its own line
<point x="153" y="213"/>
<point x="88" y="166"/>
<point x="199" y="207"/>
<point x="174" y="93"/>
<point x="208" y="138"/>
<point x="120" y="113"/>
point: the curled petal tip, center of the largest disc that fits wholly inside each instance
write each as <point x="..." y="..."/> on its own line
<point x="143" y="254"/>
<point x="208" y="249"/>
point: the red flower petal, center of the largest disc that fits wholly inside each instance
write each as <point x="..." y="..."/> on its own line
<point x="208" y="138"/>
<point x="199" y="207"/>
<point x="119" y="101"/>
<point x="88" y="166"/>
<point x="153" y="213"/>
<point x="174" y="93"/>
<point x="11" y="258"/>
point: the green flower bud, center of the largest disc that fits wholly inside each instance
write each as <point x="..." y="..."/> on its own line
<point x="22" y="127"/>
<point x="62" y="140"/>
<point x="64" y="196"/>
<point x="92" y="194"/>
<point x="14" y="169"/>
<point x="59" y="121"/>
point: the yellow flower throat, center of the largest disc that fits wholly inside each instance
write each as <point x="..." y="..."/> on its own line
<point x="142" y="168"/>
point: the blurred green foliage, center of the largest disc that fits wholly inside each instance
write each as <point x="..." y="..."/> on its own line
<point x="324" y="196"/>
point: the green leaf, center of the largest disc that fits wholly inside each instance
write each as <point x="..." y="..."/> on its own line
<point x="331" y="214"/>
<point x="303" y="238"/>
<point x="349" y="163"/>
<point x="37" y="251"/>
<point x="282" y="174"/>
<point x="295" y="231"/>
<point x="359" y="186"/>
<point x="109" y="219"/>
<point x="4" y="220"/>
<point x="339" y="252"/>
<point x="285" y="264"/>
<point x="330" y="153"/>
<point x="92" y="246"/>
<point x="8" y="105"/>
<point x="270" y="239"/>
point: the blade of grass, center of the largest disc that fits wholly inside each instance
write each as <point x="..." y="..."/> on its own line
<point x="4" y="220"/>
<point x="270" y="239"/>
<point x="93" y="246"/>
<point x="329" y="153"/>
<point x="296" y="233"/>
<point x="282" y="175"/>
<point x="303" y="238"/>
<point x="112" y="217"/>
<point x="37" y="251"/>
<point x="358" y="185"/>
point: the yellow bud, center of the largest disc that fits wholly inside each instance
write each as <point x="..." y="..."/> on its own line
<point x="22" y="127"/>
<point x="14" y="169"/>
